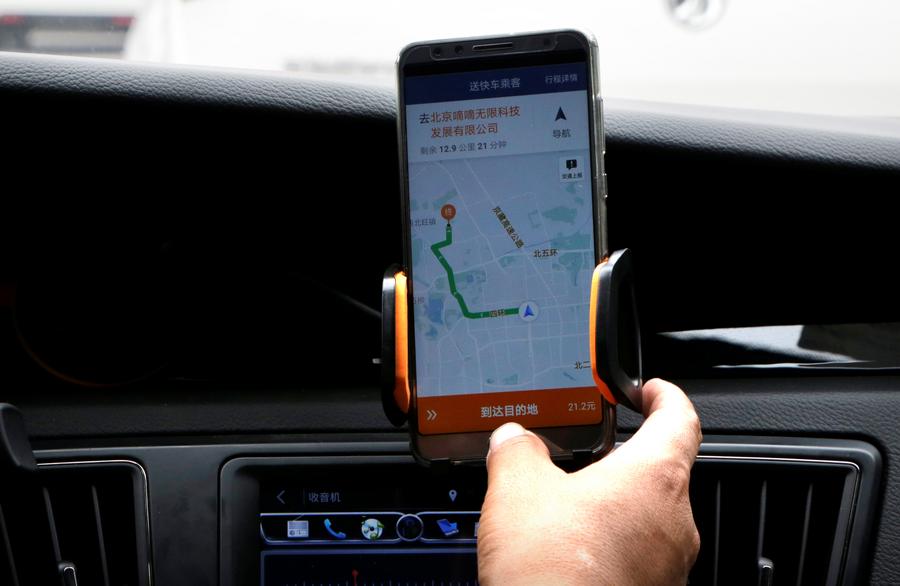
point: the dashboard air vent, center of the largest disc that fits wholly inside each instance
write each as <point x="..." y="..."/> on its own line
<point x="777" y="520"/>
<point x="75" y="523"/>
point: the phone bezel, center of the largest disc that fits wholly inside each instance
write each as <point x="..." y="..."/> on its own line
<point x="519" y="50"/>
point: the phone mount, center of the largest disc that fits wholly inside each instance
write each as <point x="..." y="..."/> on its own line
<point x="395" y="393"/>
<point x="615" y="340"/>
<point x="615" y="333"/>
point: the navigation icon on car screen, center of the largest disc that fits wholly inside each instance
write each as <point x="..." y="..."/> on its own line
<point x="529" y="311"/>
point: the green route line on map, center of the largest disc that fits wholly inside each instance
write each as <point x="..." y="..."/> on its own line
<point x="436" y="249"/>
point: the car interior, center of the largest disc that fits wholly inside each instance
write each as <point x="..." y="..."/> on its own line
<point x="191" y="262"/>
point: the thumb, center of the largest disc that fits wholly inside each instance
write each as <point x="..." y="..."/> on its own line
<point x="671" y="431"/>
<point x="517" y="455"/>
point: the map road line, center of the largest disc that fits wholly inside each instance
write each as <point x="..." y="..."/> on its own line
<point x="451" y="278"/>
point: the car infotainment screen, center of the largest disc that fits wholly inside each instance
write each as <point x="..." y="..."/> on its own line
<point x="365" y="526"/>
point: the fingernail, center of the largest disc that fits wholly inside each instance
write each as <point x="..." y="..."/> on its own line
<point x="505" y="432"/>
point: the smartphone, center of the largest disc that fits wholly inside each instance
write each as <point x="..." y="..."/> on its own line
<point x="503" y="198"/>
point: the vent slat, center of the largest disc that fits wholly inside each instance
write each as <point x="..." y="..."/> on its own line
<point x="718" y="535"/>
<point x="761" y="531"/>
<point x="838" y="551"/>
<point x="51" y="523"/>
<point x="785" y="502"/>
<point x="705" y="491"/>
<point x="738" y="526"/>
<point x="8" y="569"/>
<point x="803" y="541"/>
<point x="73" y="505"/>
<point x="101" y="545"/>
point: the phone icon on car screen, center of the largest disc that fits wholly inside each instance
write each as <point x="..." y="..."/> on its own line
<point x="335" y="534"/>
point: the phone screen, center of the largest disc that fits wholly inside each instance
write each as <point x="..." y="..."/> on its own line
<point x="502" y="246"/>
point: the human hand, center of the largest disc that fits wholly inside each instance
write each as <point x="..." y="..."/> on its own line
<point x="623" y="520"/>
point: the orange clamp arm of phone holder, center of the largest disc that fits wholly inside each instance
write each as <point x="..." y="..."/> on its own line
<point x="615" y="337"/>
<point x="395" y="394"/>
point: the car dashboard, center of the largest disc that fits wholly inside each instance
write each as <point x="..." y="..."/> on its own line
<point x="190" y="272"/>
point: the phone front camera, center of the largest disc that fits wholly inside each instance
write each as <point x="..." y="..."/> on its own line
<point x="458" y="49"/>
<point x="436" y="51"/>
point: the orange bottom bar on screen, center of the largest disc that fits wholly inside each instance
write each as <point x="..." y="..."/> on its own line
<point x="488" y="411"/>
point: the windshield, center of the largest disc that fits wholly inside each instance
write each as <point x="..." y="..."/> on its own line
<point x="810" y="56"/>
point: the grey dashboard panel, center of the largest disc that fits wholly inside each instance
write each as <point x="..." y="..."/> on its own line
<point x="147" y="83"/>
<point x="845" y="142"/>
<point x="797" y="137"/>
